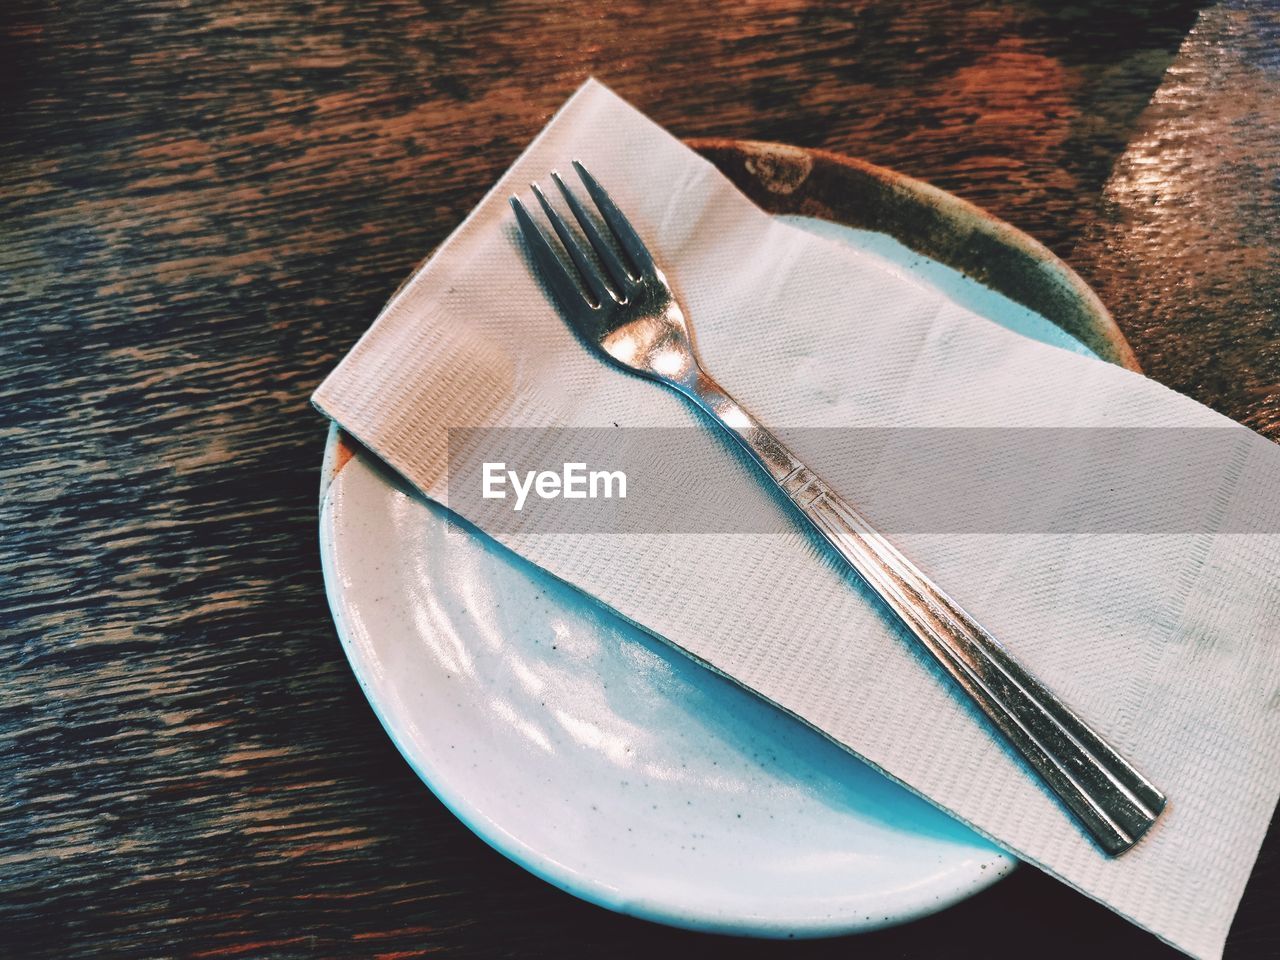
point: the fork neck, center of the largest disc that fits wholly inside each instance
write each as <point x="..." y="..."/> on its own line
<point x="750" y="434"/>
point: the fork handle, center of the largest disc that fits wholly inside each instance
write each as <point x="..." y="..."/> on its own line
<point x="1113" y="801"/>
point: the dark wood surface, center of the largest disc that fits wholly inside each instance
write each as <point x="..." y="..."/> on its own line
<point x="203" y="204"/>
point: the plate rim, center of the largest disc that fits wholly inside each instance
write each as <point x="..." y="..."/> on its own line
<point x="781" y="178"/>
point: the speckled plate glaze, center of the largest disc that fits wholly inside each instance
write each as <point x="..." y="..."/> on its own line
<point x="613" y="766"/>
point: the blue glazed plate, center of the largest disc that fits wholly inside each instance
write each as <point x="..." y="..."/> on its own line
<point x="604" y="761"/>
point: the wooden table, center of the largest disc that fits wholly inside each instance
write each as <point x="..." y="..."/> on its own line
<point x="203" y="204"/>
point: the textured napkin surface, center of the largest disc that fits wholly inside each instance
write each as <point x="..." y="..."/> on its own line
<point x="1166" y="643"/>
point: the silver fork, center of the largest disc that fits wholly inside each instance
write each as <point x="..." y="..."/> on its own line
<point x="625" y="308"/>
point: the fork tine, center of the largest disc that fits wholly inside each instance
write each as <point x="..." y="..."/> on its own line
<point x="602" y="247"/>
<point x="567" y="294"/>
<point x="626" y="235"/>
<point x="590" y="274"/>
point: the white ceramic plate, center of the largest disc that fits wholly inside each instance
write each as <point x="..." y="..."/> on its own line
<point x="606" y="762"/>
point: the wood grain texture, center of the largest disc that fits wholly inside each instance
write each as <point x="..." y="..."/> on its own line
<point x="203" y="204"/>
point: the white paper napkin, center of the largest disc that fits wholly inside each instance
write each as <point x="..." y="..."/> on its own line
<point x="1166" y="643"/>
